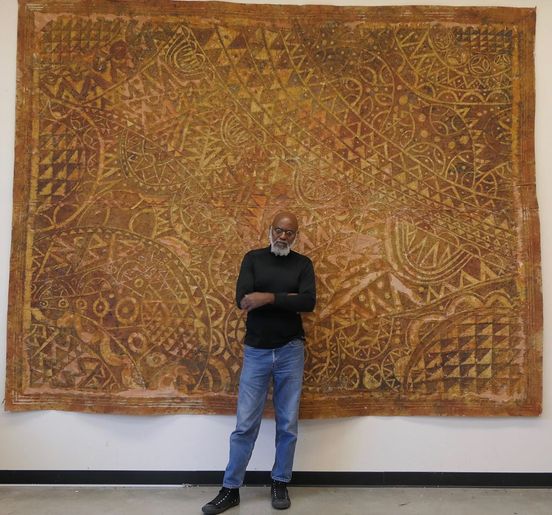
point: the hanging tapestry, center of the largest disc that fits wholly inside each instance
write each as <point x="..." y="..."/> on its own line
<point x="155" y="142"/>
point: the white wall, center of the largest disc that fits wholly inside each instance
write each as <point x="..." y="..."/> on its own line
<point x="58" y="440"/>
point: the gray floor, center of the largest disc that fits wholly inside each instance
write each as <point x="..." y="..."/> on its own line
<point x="41" y="500"/>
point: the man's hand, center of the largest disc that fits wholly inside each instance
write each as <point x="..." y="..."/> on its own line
<point x="256" y="300"/>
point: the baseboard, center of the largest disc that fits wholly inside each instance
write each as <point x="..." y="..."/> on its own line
<point x="253" y="478"/>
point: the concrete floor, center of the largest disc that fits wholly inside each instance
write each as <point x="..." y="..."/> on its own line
<point x="86" y="500"/>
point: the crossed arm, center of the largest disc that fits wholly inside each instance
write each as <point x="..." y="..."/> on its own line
<point x="301" y="301"/>
<point x="257" y="299"/>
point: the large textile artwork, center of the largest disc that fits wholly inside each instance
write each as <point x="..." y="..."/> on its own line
<point x="156" y="141"/>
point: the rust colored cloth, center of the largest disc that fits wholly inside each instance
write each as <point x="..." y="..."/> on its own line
<point x="155" y="142"/>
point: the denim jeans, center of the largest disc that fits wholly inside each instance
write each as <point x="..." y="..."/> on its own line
<point x="285" y="366"/>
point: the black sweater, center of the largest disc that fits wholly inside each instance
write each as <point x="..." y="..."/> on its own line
<point x="273" y="325"/>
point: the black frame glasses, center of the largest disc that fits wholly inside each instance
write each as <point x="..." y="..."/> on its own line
<point x="279" y="231"/>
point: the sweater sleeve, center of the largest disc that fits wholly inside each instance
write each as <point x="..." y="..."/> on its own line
<point x="305" y="299"/>
<point x="246" y="279"/>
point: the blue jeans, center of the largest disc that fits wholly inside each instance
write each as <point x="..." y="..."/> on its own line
<point x="285" y="366"/>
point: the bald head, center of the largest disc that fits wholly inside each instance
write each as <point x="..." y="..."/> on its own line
<point x="286" y="218"/>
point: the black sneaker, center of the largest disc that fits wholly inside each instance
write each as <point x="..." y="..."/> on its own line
<point x="226" y="498"/>
<point x="279" y="494"/>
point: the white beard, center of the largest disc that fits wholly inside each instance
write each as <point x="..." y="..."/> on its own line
<point x="279" y="248"/>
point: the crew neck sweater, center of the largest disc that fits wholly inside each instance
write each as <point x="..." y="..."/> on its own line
<point x="273" y="325"/>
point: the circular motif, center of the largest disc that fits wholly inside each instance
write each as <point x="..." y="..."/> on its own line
<point x="126" y="310"/>
<point x="390" y="369"/>
<point x="349" y="378"/>
<point x="136" y="342"/>
<point x="81" y="305"/>
<point x="441" y="37"/>
<point x="100" y="307"/>
<point x="372" y="377"/>
<point x="480" y="64"/>
<point x="156" y="359"/>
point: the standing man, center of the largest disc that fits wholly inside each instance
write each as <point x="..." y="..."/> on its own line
<point x="275" y="284"/>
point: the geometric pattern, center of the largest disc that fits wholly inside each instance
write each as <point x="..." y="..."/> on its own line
<point x="156" y="141"/>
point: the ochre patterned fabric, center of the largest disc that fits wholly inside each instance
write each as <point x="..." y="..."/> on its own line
<point x="155" y="142"/>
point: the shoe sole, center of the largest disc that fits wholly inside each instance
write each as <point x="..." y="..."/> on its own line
<point x="216" y="511"/>
<point x="282" y="507"/>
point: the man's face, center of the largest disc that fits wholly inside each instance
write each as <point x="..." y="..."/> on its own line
<point x="282" y="234"/>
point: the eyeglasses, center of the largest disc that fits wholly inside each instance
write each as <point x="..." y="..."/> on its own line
<point x="279" y="231"/>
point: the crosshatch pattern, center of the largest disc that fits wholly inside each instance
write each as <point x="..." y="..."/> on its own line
<point x="156" y="140"/>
